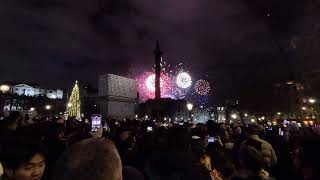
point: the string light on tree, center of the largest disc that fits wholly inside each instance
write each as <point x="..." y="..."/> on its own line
<point x="202" y="87"/>
<point x="73" y="106"/>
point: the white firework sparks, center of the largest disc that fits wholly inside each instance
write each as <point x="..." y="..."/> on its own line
<point x="184" y="80"/>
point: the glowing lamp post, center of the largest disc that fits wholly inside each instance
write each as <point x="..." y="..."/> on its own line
<point x="4" y="88"/>
<point x="190" y="107"/>
<point x="312" y="101"/>
<point x="233" y="117"/>
<point x="48" y="107"/>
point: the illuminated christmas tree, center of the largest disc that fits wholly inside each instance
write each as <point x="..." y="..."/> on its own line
<point x="73" y="106"/>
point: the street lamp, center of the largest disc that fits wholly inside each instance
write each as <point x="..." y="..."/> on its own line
<point x="304" y="108"/>
<point x="233" y="116"/>
<point x="190" y="107"/>
<point x="32" y="109"/>
<point x="245" y="115"/>
<point x="48" y="107"/>
<point x="311" y="101"/>
<point x="4" y="88"/>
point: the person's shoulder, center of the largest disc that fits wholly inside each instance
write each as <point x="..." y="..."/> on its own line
<point x="243" y="143"/>
<point x="265" y="143"/>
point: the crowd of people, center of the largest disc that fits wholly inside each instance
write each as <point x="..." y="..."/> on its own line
<point x="150" y="150"/>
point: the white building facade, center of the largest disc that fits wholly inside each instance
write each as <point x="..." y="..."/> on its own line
<point x="26" y="90"/>
<point x="221" y="114"/>
<point x="118" y="96"/>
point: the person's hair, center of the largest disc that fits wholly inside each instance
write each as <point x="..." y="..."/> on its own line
<point x="179" y="138"/>
<point x="251" y="159"/>
<point x="253" y="129"/>
<point x="93" y="158"/>
<point x="17" y="150"/>
<point x="220" y="161"/>
<point x="26" y="117"/>
<point x="212" y="128"/>
<point x="6" y="122"/>
<point x="15" y="114"/>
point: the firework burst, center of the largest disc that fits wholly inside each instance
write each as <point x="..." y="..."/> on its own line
<point x="146" y="85"/>
<point x="175" y="83"/>
<point x="202" y="87"/>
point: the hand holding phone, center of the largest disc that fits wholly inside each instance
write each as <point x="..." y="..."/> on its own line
<point x="281" y="133"/>
<point x="211" y="139"/>
<point x="96" y="122"/>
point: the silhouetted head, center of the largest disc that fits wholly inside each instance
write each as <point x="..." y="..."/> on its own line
<point x="94" y="158"/>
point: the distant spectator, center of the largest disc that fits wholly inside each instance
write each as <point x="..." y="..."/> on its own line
<point x="8" y="128"/>
<point x="310" y="161"/>
<point x="8" y="124"/>
<point x="219" y="161"/>
<point x="261" y="145"/>
<point x="251" y="165"/>
<point x="178" y="161"/>
<point x="15" y="115"/>
<point x="94" y="158"/>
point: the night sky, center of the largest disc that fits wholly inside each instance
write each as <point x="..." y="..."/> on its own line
<point x="55" y="42"/>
